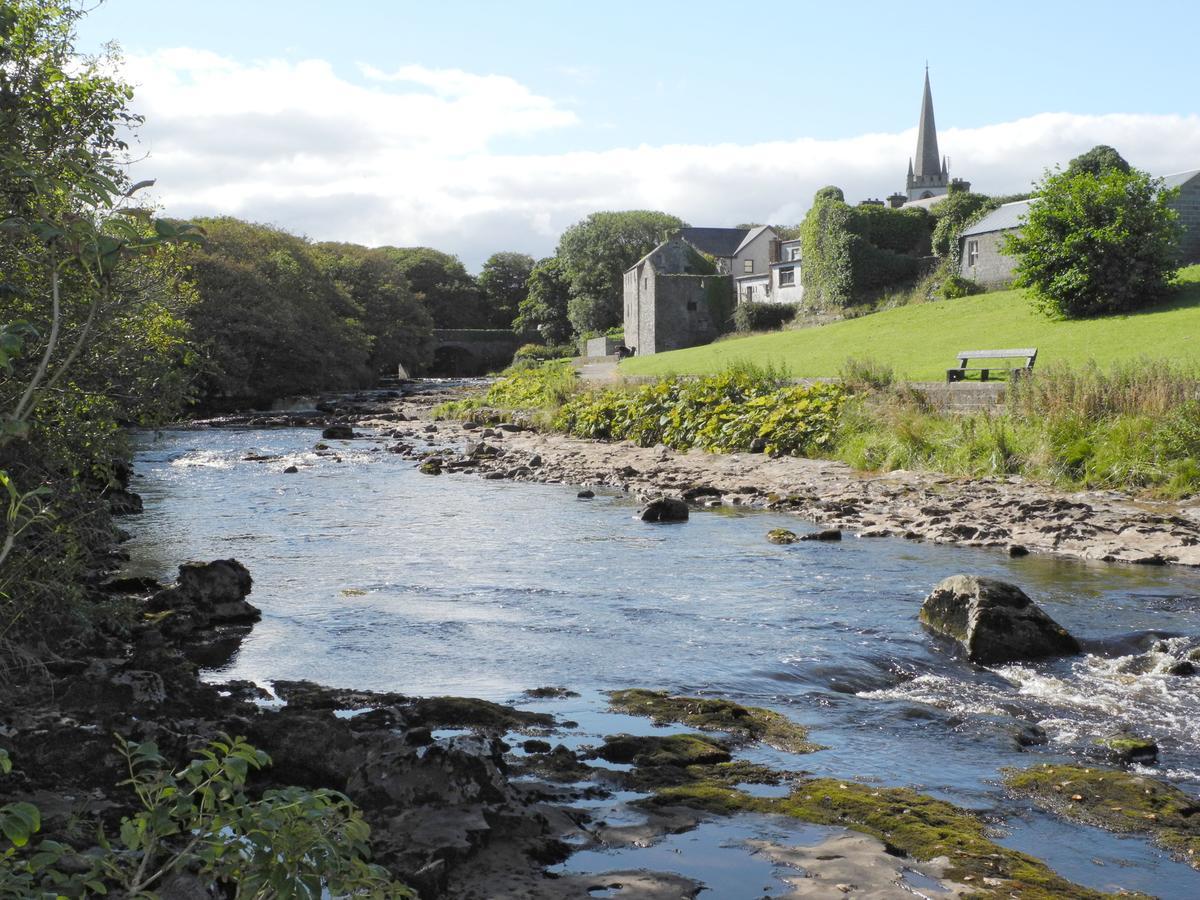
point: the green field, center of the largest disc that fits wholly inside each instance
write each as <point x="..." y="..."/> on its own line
<point x="920" y="341"/>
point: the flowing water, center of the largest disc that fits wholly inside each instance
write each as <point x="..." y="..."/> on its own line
<point x="371" y="575"/>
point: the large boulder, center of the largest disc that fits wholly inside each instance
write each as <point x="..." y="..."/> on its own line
<point x="208" y="595"/>
<point x="664" y="509"/>
<point x="993" y="620"/>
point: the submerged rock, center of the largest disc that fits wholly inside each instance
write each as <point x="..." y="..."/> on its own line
<point x="664" y="509"/>
<point x="993" y="620"/>
<point x="123" y="503"/>
<point x="781" y="536"/>
<point x="828" y="534"/>
<point x="430" y="468"/>
<point x="338" y="433"/>
<point x="586" y="494"/>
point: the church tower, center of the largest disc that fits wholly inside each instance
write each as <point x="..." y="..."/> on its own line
<point x="929" y="176"/>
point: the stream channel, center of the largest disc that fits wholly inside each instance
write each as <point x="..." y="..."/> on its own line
<point x="373" y="576"/>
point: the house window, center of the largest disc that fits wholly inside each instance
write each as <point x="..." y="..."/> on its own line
<point x="749" y="293"/>
<point x="691" y="306"/>
<point x="793" y="254"/>
<point x="748" y="266"/>
<point x="787" y="276"/>
<point x="972" y="253"/>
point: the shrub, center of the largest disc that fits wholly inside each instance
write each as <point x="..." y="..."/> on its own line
<point x="741" y="409"/>
<point x="955" y="286"/>
<point x="751" y="316"/>
<point x="524" y="387"/>
<point x="539" y="353"/>
<point x="866" y="375"/>
<point x="1096" y="243"/>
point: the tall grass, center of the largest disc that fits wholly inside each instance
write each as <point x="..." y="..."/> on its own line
<point x="1134" y="426"/>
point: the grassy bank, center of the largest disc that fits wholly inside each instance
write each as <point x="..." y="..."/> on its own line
<point x="920" y="341"/>
<point x="1133" y="427"/>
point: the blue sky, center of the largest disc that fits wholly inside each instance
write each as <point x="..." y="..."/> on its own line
<point x="621" y="80"/>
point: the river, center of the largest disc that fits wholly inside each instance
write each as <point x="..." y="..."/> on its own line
<point x="371" y="575"/>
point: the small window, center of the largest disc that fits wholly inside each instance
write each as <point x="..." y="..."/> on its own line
<point x="749" y="293"/>
<point x="691" y="306"/>
<point x="645" y="283"/>
<point x="793" y="254"/>
<point x="972" y="253"/>
<point x="787" y="276"/>
<point x="748" y="266"/>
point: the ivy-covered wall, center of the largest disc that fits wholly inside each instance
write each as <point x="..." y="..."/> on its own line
<point x="851" y="252"/>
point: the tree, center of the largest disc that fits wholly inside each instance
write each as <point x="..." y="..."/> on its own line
<point x="91" y="294"/>
<point x="503" y="286"/>
<point x="271" y="321"/>
<point x="1096" y="243"/>
<point x="596" y="252"/>
<point x="442" y="284"/>
<point x="542" y="315"/>
<point x="398" y="324"/>
<point x="1097" y="161"/>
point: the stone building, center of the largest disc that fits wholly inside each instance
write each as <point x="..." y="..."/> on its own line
<point x="980" y="258"/>
<point x="676" y="297"/>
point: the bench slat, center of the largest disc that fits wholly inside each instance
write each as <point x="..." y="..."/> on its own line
<point x="994" y="354"/>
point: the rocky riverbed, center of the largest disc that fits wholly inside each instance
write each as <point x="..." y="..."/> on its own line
<point x="470" y="798"/>
<point x="1008" y="513"/>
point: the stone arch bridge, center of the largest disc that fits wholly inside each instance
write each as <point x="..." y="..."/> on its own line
<point x="472" y="351"/>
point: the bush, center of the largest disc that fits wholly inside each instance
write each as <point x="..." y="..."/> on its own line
<point x="751" y="316"/>
<point x="955" y="286"/>
<point x="542" y="352"/>
<point x="865" y="375"/>
<point x="741" y="409"/>
<point x="1096" y="243"/>
<point x="522" y="388"/>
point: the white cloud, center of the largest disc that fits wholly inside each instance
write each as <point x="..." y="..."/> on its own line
<point x="406" y="157"/>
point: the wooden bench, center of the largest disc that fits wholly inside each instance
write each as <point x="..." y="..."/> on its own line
<point x="959" y="373"/>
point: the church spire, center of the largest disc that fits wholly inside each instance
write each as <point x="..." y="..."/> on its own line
<point x="928" y="161"/>
<point x="928" y="171"/>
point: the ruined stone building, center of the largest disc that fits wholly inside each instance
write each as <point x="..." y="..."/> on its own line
<point x="676" y="296"/>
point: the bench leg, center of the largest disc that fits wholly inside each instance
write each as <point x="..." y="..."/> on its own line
<point x="983" y="374"/>
<point x="953" y="375"/>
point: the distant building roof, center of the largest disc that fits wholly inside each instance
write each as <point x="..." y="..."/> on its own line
<point x="751" y="235"/>
<point x="1179" y="179"/>
<point x="1006" y="217"/>
<point x="715" y="241"/>
<point x="926" y="202"/>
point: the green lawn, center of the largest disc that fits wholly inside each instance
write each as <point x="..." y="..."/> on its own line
<point x="920" y="341"/>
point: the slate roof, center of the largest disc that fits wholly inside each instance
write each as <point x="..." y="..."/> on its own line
<point x="751" y="235"/>
<point x="1001" y="219"/>
<point x="721" y="242"/>
<point x="1179" y="179"/>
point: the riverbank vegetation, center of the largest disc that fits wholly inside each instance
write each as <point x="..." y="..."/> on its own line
<point x="95" y="302"/>
<point x="1132" y="426"/>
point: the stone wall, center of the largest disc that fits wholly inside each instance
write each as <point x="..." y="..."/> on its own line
<point x="1187" y="204"/>
<point x="682" y="314"/>
<point x="601" y="346"/>
<point x="992" y="269"/>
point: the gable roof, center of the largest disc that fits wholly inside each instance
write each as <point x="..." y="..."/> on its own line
<point x="1003" y="218"/>
<point x="714" y="241"/>
<point x="753" y="234"/>
<point x="1179" y="179"/>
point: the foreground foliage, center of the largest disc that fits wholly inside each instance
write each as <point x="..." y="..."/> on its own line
<point x="200" y="821"/>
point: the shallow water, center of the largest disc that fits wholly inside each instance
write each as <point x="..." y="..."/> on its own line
<point x="371" y="575"/>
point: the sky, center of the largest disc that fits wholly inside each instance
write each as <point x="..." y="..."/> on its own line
<point x="476" y="127"/>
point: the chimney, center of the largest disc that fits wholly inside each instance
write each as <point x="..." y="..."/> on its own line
<point x="897" y="200"/>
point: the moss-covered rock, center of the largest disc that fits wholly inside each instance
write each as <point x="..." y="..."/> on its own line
<point x="1118" y="801"/>
<point x="1126" y="748"/>
<point x="469" y="712"/>
<point x="782" y="536"/>
<point x="743" y="723"/>
<point x="668" y="750"/>
<point x="429" y="468"/>
<point x="910" y="824"/>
